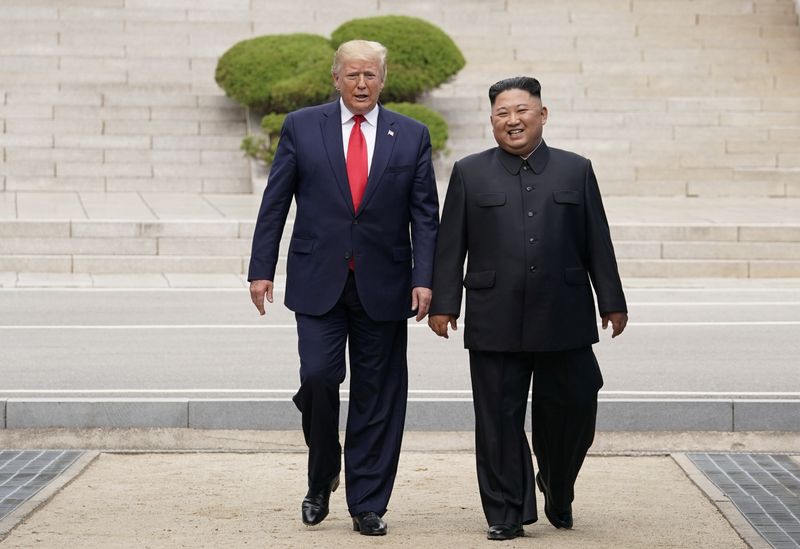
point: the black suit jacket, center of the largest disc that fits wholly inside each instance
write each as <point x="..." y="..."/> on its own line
<point x="534" y="234"/>
<point x="392" y="236"/>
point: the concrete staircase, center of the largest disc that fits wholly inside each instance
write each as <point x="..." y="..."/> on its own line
<point x="120" y="154"/>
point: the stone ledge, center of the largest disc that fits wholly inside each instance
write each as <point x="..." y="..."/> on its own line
<point x="95" y="413"/>
<point x="631" y="415"/>
<point x="766" y="415"/>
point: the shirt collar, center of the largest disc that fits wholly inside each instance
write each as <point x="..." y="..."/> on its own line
<point x="371" y="116"/>
<point x="537" y="160"/>
<point x="533" y="151"/>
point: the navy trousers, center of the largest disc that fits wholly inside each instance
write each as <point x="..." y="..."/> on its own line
<point x="564" y="402"/>
<point x="377" y="405"/>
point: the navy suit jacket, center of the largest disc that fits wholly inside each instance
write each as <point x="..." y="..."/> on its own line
<point x="392" y="237"/>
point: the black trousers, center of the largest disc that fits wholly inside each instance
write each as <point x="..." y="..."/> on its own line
<point x="378" y="394"/>
<point x="564" y="408"/>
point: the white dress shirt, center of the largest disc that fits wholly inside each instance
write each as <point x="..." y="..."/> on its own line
<point x="369" y="128"/>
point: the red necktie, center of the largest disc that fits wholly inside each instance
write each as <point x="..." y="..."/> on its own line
<point x="357" y="169"/>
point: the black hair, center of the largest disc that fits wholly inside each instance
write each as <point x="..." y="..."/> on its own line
<point x="525" y="83"/>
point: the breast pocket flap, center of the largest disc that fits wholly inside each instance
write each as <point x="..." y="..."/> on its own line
<point x="567" y="197"/>
<point x="485" y="200"/>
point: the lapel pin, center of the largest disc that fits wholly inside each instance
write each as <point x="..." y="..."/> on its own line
<point x="391" y="133"/>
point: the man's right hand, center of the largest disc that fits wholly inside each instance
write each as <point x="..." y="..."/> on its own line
<point x="438" y="324"/>
<point x="258" y="289"/>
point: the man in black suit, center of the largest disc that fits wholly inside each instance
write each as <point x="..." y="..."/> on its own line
<point x="360" y="264"/>
<point x="531" y="222"/>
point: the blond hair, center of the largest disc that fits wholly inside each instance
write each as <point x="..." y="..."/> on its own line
<point x="360" y="50"/>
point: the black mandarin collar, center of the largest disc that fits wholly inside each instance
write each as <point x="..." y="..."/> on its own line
<point x="537" y="161"/>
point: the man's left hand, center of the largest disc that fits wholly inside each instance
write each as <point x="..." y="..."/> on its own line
<point x="618" y="322"/>
<point x="421" y="301"/>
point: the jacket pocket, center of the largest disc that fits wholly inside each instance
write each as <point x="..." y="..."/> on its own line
<point x="301" y="245"/>
<point x="485" y="200"/>
<point x="478" y="280"/>
<point x="401" y="253"/>
<point x="399" y="169"/>
<point x="567" y="197"/>
<point x="576" y="276"/>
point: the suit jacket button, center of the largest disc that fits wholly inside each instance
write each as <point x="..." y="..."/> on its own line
<point x="355" y="222"/>
<point x="533" y="269"/>
<point x="347" y="255"/>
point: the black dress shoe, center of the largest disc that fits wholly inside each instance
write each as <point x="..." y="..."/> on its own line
<point x="369" y="524"/>
<point x="315" y="505"/>
<point x="559" y="519"/>
<point x="499" y="532"/>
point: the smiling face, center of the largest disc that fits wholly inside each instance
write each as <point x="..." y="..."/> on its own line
<point x="517" y="121"/>
<point x="360" y="82"/>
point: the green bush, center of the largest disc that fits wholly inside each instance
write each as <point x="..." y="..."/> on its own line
<point x="421" y="56"/>
<point x="436" y="124"/>
<point x="277" y="73"/>
<point x="282" y="73"/>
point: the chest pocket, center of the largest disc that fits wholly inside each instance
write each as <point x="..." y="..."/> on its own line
<point x="487" y="200"/>
<point x="567" y="197"/>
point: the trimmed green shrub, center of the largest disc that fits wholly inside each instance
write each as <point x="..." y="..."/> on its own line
<point x="437" y="125"/>
<point x="421" y="56"/>
<point x="277" y="73"/>
<point x="282" y="73"/>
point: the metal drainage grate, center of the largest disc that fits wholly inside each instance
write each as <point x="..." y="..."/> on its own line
<point x="25" y="472"/>
<point x="765" y="488"/>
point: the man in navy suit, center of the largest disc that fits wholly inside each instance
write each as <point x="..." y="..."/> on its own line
<point x="530" y="222"/>
<point x="360" y="264"/>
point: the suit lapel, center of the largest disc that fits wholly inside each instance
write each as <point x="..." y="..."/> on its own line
<point x="385" y="138"/>
<point x="331" y="126"/>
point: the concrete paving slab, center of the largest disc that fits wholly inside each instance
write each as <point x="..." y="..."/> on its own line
<point x="738" y="211"/>
<point x="49" y="206"/>
<point x="210" y="500"/>
<point x="53" y="280"/>
<point x="8" y="280"/>
<point x="180" y="206"/>
<point x="236" y="206"/>
<point x="8" y="205"/>
<point x="115" y="206"/>
<point x="184" y="280"/>
<point x="129" y="281"/>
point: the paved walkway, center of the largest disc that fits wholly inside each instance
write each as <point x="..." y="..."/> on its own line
<point x="246" y="490"/>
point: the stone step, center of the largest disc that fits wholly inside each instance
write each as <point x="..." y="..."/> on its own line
<point x="199" y="246"/>
<point x="130" y="265"/>
<point x="96" y="95"/>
